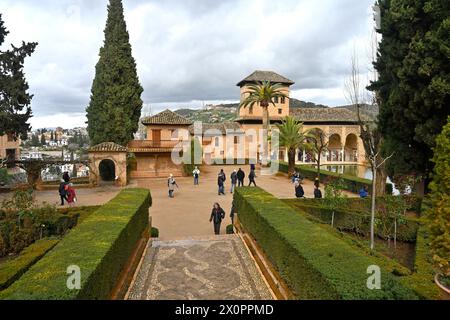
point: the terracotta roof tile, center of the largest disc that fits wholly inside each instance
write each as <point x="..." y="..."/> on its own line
<point x="324" y="115"/>
<point x="260" y="76"/>
<point x="166" y="117"/>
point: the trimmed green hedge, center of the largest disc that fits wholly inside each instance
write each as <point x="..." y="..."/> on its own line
<point x="315" y="263"/>
<point x="100" y="246"/>
<point x="351" y="183"/>
<point x="352" y="221"/>
<point x="12" y="270"/>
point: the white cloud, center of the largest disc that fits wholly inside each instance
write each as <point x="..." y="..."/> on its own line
<point x="189" y="51"/>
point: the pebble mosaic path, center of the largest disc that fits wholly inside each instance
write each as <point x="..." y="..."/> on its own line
<point x="207" y="268"/>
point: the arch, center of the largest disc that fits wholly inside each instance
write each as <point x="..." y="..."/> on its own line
<point x="107" y="170"/>
<point x="335" y="149"/>
<point x="351" y="148"/>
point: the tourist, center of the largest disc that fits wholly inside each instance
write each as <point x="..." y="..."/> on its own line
<point x="316" y="183"/>
<point x="240" y="177"/>
<point x="66" y="177"/>
<point x="232" y="213"/>
<point x="62" y="191"/>
<point x="295" y="175"/>
<point x="317" y="193"/>
<point x="196" y="174"/>
<point x="363" y="193"/>
<point x="251" y="178"/>
<point x="71" y="195"/>
<point x="217" y="215"/>
<point x="221" y="182"/>
<point x="233" y="180"/>
<point x="299" y="192"/>
<point x="171" y="183"/>
<point x="252" y="167"/>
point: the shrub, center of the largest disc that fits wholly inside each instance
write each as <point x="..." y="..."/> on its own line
<point x="438" y="215"/>
<point x="4" y="176"/>
<point x="230" y="229"/>
<point x="315" y="263"/>
<point x="352" y="221"/>
<point x="154" y="232"/>
<point x="100" y="247"/>
<point x="350" y="183"/>
<point x="11" y="270"/>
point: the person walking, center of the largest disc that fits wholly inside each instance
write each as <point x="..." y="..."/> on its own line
<point x="217" y="215"/>
<point x="221" y="182"/>
<point x="317" y="193"/>
<point x="233" y="180"/>
<point x="62" y="191"/>
<point x="232" y="213"/>
<point x="299" y="192"/>
<point x="251" y="178"/>
<point x="196" y="174"/>
<point x="240" y="176"/>
<point x="71" y="195"/>
<point x="171" y="183"/>
<point x="317" y="183"/>
<point x="66" y="177"/>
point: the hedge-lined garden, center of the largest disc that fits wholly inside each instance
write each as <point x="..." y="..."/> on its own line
<point x="100" y="247"/>
<point x="351" y="183"/>
<point x="315" y="263"/>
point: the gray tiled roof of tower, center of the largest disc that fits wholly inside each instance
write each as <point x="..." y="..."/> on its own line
<point x="259" y="76"/>
<point x="166" y="117"/>
<point x="108" y="147"/>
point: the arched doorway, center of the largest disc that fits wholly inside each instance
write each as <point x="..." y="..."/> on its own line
<point x="351" y="148"/>
<point x="335" y="148"/>
<point x="107" y="170"/>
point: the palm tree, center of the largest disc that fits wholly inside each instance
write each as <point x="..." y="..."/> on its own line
<point x="263" y="94"/>
<point x="292" y="137"/>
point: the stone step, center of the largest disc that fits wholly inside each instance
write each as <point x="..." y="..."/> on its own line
<point x="191" y="240"/>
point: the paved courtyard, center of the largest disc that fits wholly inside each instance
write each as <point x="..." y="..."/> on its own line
<point x="210" y="268"/>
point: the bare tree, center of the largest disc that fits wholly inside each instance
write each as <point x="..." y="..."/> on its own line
<point x="318" y="144"/>
<point x="357" y="95"/>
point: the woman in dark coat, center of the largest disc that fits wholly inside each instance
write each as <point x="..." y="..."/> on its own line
<point x="217" y="215"/>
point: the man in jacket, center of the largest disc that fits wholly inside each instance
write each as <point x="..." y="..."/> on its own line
<point x="221" y="182"/>
<point x="233" y="180"/>
<point x="240" y="176"/>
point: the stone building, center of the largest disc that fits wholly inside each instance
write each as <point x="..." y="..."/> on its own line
<point x="241" y="139"/>
<point x="9" y="148"/>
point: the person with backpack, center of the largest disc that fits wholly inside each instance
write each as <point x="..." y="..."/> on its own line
<point x="317" y="193"/>
<point x="171" y="183"/>
<point x="299" y="192"/>
<point x="233" y="181"/>
<point x="251" y="178"/>
<point x="221" y="182"/>
<point x="240" y="176"/>
<point x="196" y="174"/>
<point x="62" y="191"/>
<point x="217" y="215"/>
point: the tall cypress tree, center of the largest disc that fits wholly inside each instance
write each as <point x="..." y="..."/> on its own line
<point x="414" y="81"/>
<point x="115" y="107"/>
<point x="15" y="109"/>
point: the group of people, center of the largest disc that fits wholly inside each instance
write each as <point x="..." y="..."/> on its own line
<point x="66" y="191"/>
<point x="297" y="180"/>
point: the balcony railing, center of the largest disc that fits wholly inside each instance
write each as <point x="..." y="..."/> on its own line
<point x="150" y="144"/>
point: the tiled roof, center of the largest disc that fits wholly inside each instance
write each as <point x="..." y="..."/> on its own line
<point x="166" y="117"/>
<point x="222" y="127"/>
<point x="265" y="76"/>
<point x="324" y="115"/>
<point x="108" y="147"/>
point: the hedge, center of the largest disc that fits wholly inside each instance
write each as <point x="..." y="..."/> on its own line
<point x="351" y="183"/>
<point x="100" y="247"/>
<point x="315" y="263"/>
<point x="353" y="221"/>
<point x="12" y="270"/>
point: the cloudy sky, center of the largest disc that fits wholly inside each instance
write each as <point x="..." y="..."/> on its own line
<point x="188" y="52"/>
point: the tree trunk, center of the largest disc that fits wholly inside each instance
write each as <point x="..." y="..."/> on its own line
<point x="291" y="159"/>
<point x="318" y="168"/>
<point x="380" y="186"/>
<point x="265" y="143"/>
<point x="372" y="211"/>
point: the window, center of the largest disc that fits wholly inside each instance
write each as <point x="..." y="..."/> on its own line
<point x="236" y="140"/>
<point x="275" y="100"/>
<point x="283" y="100"/>
<point x="280" y="111"/>
<point x="250" y="110"/>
